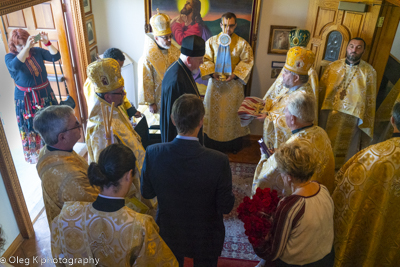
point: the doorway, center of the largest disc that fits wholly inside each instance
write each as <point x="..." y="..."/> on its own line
<point x="48" y="17"/>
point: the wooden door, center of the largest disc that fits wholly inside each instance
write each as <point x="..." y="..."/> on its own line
<point x="48" y="17"/>
<point x="331" y="29"/>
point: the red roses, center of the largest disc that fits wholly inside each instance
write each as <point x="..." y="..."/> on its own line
<point x="257" y="214"/>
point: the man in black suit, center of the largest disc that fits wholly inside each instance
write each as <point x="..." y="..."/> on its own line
<point x="193" y="185"/>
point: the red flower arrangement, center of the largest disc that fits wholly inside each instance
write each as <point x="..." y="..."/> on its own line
<point x="257" y="214"/>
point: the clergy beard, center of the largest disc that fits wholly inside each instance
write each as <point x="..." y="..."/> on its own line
<point x="353" y="57"/>
<point x="165" y="46"/>
<point x="195" y="72"/>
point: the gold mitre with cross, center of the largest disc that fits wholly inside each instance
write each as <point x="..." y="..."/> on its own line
<point x="105" y="75"/>
<point x="160" y="24"/>
<point x="299" y="60"/>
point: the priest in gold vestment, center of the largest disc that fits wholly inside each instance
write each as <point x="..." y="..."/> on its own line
<point x="127" y="106"/>
<point x="367" y="200"/>
<point x="159" y="53"/>
<point x="297" y="37"/>
<point x="223" y="97"/>
<point x="106" y="232"/>
<point x="108" y="84"/>
<point x="294" y="79"/>
<point x="62" y="171"/>
<point x="299" y="114"/>
<point x="347" y="99"/>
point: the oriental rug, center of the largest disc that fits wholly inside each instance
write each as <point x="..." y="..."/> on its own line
<point x="236" y="245"/>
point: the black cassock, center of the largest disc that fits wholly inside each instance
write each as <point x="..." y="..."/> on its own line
<point x="178" y="80"/>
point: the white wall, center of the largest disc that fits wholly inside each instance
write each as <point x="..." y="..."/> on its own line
<point x="273" y="12"/>
<point x="395" y="51"/>
<point x="120" y="23"/>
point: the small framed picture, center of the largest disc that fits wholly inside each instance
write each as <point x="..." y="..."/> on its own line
<point x="275" y="73"/>
<point x="279" y="39"/>
<point x="93" y="53"/>
<point x="278" y="64"/>
<point x="87" y="7"/>
<point x="91" y="31"/>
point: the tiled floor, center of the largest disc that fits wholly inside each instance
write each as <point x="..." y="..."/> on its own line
<point x="40" y="245"/>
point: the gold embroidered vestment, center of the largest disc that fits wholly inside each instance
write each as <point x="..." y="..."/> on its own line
<point x="267" y="174"/>
<point x="64" y="178"/>
<point x="120" y="238"/>
<point x="367" y="200"/>
<point x="223" y="99"/>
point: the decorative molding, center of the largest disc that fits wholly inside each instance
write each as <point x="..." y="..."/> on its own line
<point x="9" y="6"/>
<point x="78" y="17"/>
<point x="13" y="188"/>
<point x="13" y="247"/>
<point x="80" y="49"/>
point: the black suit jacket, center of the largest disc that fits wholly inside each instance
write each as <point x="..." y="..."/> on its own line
<point x="193" y="185"/>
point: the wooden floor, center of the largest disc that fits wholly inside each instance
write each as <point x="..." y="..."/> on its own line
<point x="40" y="244"/>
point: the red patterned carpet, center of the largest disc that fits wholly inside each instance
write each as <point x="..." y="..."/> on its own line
<point x="236" y="244"/>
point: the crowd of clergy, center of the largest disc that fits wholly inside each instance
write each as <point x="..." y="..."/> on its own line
<point x="339" y="194"/>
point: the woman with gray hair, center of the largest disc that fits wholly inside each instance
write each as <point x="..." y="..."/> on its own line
<point x="62" y="171"/>
<point x="302" y="231"/>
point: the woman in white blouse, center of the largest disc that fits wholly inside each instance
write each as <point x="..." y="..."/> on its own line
<point x="302" y="232"/>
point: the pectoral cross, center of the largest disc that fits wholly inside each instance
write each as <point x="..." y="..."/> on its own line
<point x="343" y="94"/>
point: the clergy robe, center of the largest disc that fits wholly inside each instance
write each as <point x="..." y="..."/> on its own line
<point x="312" y="80"/>
<point x="64" y="178"/>
<point x="178" y="80"/>
<point x="348" y="95"/>
<point x="267" y="174"/>
<point x="276" y="131"/>
<point x="123" y="133"/>
<point x="152" y="67"/>
<point x="367" y="200"/>
<point x="118" y="238"/>
<point x="383" y="129"/>
<point x="223" y="99"/>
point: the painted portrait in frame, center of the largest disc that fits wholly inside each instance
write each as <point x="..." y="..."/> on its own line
<point x="87" y="7"/>
<point x="279" y="39"/>
<point x="91" y="31"/>
<point x="208" y="17"/>
<point x="93" y="53"/>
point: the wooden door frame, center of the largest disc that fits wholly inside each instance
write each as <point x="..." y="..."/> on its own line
<point x="75" y="19"/>
<point x="79" y="47"/>
<point x="383" y="40"/>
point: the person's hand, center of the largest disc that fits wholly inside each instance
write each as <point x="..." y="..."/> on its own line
<point x="267" y="237"/>
<point x="261" y="117"/>
<point x="30" y="42"/>
<point x="183" y="19"/>
<point x="271" y="151"/>
<point x="153" y="108"/>
<point x="233" y="76"/>
<point x="138" y="114"/>
<point x="216" y="76"/>
<point x="44" y="37"/>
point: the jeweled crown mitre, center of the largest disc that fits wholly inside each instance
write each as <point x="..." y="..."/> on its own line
<point x="161" y="24"/>
<point x="105" y="74"/>
<point x="299" y="60"/>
